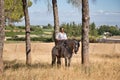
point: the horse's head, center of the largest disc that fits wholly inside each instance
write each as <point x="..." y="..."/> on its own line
<point x="73" y="45"/>
<point x="76" y="46"/>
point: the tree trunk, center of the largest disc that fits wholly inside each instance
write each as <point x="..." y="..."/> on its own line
<point x="85" y="33"/>
<point x="27" y="29"/>
<point x="2" y="33"/>
<point x="56" y="19"/>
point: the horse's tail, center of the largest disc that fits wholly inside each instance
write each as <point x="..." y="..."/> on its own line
<point x="54" y="54"/>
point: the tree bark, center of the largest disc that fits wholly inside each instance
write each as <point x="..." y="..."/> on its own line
<point x="27" y="29"/>
<point x="56" y="19"/>
<point x="2" y="34"/>
<point x="85" y="33"/>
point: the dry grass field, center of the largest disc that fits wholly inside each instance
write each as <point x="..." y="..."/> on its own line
<point x="104" y="63"/>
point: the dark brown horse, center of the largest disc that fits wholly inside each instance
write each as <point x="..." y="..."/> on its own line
<point x="65" y="49"/>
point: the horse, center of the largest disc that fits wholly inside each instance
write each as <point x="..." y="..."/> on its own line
<point x="65" y="49"/>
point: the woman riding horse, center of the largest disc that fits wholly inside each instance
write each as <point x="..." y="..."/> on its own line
<point x="64" y="49"/>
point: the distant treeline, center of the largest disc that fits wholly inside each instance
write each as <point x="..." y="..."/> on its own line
<point x="72" y="29"/>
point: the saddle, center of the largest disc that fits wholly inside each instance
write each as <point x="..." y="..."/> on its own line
<point x="60" y="43"/>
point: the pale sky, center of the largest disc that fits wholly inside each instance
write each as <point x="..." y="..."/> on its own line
<point x="102" y="12"/>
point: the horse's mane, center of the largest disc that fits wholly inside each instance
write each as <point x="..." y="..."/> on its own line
<point x="71" y="41"/>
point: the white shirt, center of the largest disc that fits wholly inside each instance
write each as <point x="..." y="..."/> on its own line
<point x="61" y="36"/>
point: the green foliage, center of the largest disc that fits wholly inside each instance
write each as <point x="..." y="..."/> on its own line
<point x="21" y="27"/>
<point x="92" y="39"/>
<point x="72" y="29"/>
<point x="36" y="30"/>
<point x="14" y="10"/>
<point x="9" y="27"/>
<point x="114" y="30"/>
<point x="49" y="26"/>
<point x="13" y="34"/>
<point x="42" y="39"/>
<point x="11" y="31"/>
<point x="44" y="35"/>
<point x="93" y="30"/>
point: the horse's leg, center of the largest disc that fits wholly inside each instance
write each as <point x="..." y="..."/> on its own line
<point x="69" y="60"/>
<point x="58" y="61"/>
<point x="53" y="59"/>
<point x="65" y="62"/>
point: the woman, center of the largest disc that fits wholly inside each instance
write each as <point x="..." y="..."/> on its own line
<point x="61" y="35"/>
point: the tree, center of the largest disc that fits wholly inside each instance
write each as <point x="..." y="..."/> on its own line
<point x="93" y="30"/>
<point x="2" y="33"/>
<point x="85" y="29"/>
<point x="72" y="29"/>
<point x="85" y="33"/>
<point x="56" y="18"/>
<point x="27" y="29"/>
<point x="114" y="30"/>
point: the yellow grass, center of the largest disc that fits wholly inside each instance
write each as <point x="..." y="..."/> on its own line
<point x="104" y="63"/>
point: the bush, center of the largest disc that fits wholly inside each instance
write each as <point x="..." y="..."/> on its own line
<point x="16" y="39"/>
<point x="92" y="39"/>
<point x="43" y="39"/>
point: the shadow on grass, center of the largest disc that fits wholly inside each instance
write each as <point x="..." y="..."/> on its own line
<point x="18" y="65"/>
<point x="109" y="56"/>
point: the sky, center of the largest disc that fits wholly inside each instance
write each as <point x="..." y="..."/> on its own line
<point x="102" y="12"/>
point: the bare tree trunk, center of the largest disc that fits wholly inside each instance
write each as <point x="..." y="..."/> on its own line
<point x="27" y="29"/>
<point x="56" y="18"/>
<point x="2" y="33"/>
<point x="85" y="33"/>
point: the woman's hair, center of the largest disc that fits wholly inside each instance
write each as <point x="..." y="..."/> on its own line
<point x="61" y="28"/>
